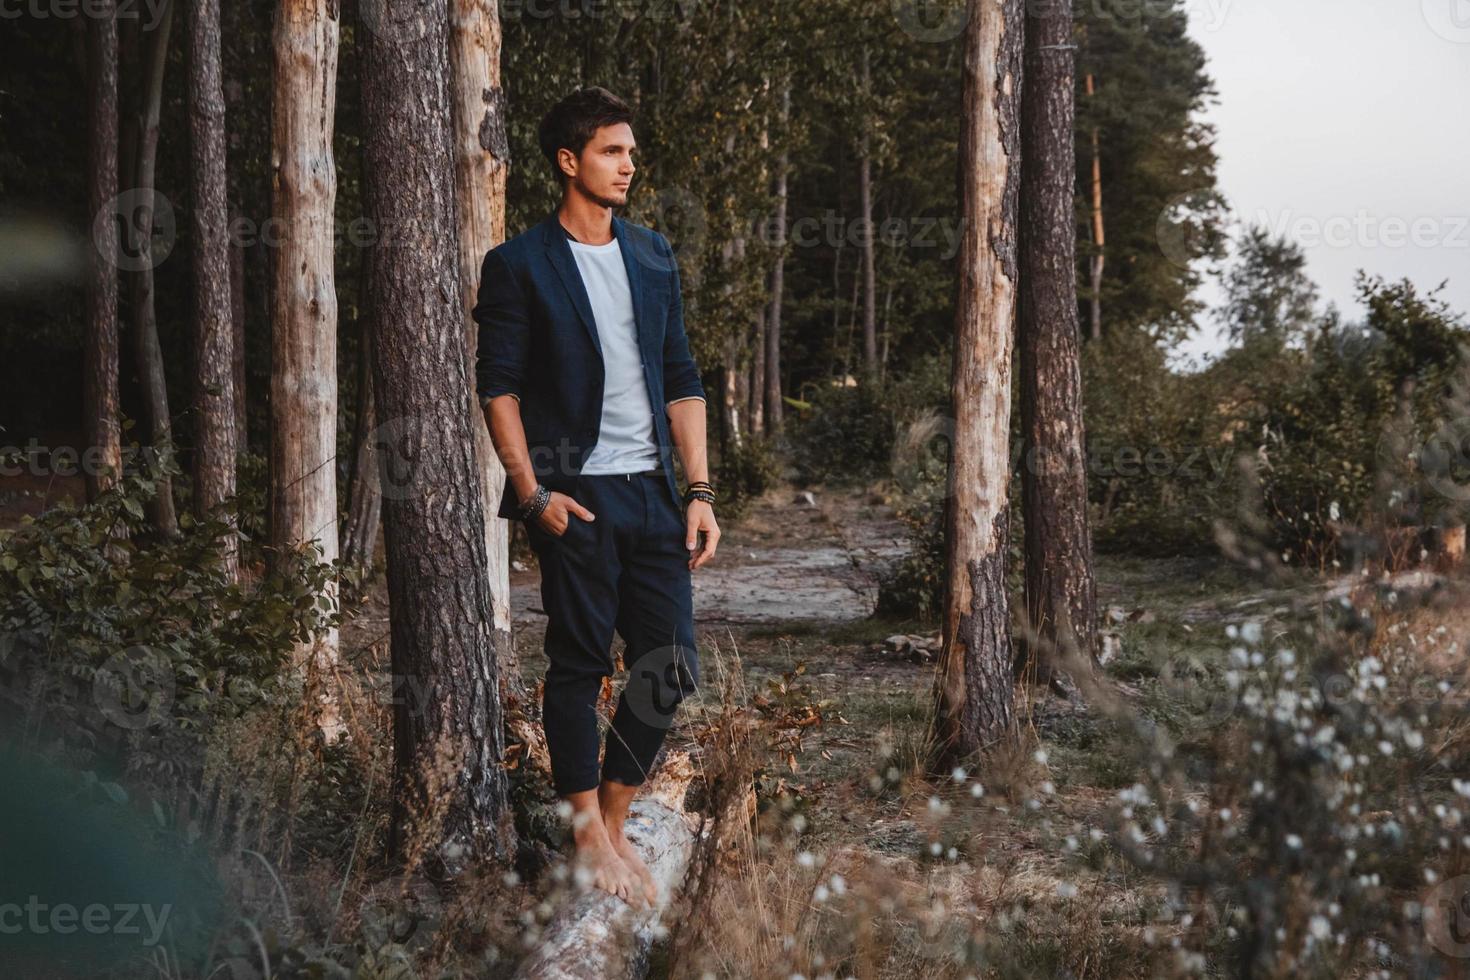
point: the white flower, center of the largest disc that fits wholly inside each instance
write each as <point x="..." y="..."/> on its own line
<point x="1040" y="756"/>
<point x="1294" y="842"/>
<point x="958" y="775"/>
<point x="806" y="859"/>
<point x="1066" y="889"/>
<point x="1321" y="928"/>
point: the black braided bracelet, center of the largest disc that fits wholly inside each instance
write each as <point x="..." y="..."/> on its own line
<point x="537" y="502"/>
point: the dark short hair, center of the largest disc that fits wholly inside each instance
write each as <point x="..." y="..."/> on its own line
<point x="574" y="120"/>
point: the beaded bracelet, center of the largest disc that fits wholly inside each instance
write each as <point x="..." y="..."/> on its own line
<point x="537" y="502"/>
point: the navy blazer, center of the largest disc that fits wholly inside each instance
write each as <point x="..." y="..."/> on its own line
<point x="538" y="342"/>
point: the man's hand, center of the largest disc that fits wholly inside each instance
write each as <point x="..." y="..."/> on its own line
<point x="556" y="516"/>
<point x="700" y="516"/>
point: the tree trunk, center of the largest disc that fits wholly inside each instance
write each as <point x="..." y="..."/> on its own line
<point x="1098" y="240"/>
<point x="303" y="443"/>
<point x="147" y="351"/>
<point x="450" y="801"/>
<point x="214" y="332"/>
<point x="1061" y="593"/>
<point x="237" y="320"/>
<point x="597" y="936"/>
<point x="755" y="380"/>
<point x="100" y="407"/>
<point x="772" y="353"/>
<point x="364" y="499"/>
<point x="482" y="164"/>
<point x="870" y="279"/>
<point x="975" y="693"/>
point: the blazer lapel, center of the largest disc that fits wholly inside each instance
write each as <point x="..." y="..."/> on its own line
<point x="635" y="276"/>
<point x="565" y="265"/>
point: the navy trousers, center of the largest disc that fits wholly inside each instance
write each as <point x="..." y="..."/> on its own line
<point x="628" y="571"/>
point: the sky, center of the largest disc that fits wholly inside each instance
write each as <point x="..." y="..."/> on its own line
<point x="1344" y="124"/>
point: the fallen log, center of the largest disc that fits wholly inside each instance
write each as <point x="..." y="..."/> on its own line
<point x="596" y="935"/>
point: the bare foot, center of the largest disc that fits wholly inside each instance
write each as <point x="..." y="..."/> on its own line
<point x="604" y="867"/>
<point x="625" y="850"/>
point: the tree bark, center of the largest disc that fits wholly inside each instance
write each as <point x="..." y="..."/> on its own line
<point x="1061" y="593"/>
<point x="975" y="692"/>
<point x="870" y="279"/>
<point x="214" y="394"/>
<point x="1098" y="240"/>
<point x="303" y="443"/>
<point x="450" y="801"/>
<point x="237" y="321"/>
<point x="364" y="499"/>
<point x="772" y="392"/>
<point x="147" y="351"/>
<point x="100" y="408"/>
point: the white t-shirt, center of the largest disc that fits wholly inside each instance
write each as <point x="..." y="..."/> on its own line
<point x="625" y="442"/>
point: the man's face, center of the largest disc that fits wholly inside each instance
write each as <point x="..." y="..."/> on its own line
<point x="605" y="169"/>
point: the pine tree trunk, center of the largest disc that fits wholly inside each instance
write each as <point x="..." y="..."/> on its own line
<point x="237" y="321"/>
<point x="772" y="354"/>
<point x="1098" y="240"/>
<point x="147" y="351"/>
<point x="870" y="279"/>
<point x="364" y="499"/>
<point x="1061" y="593"/>
<point x="303" y="444"/>
<point x="100" y="407"/>
<point x="214" y="332"/>
<point x="482" y="164"/>
<point x="975" y="693"/>
<point x="450" y="790"/>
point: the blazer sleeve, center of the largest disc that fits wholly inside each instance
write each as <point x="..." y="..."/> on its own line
<point x="502" y="314"/>
<point x="681" y="375"/>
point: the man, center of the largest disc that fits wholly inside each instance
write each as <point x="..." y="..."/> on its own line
<point x="585" y="375"/>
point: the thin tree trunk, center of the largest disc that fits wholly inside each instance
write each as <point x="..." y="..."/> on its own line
<point x="214" y="398"/>
<point x="303" y="443"/>
<point x="1098" y="240"/>
<point x="887" y="330"/>
<point x="870" y="280"/>
<point x="852" y="305"/>
<point x="836" y="306"/>
<point x="1061" y="593"/>
<point x="147" y="351"/>
<point x="450" y="801"/>
<point x="100" y="408"/>
<point x="772" y="392"/>
<point x="755" y="378"/>
<point x="364" y="500"/>
<point x="237" y="321"/>
<point x="974" y="692"/>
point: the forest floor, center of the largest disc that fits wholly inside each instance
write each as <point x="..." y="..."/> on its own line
<point x="786" y="603"/>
